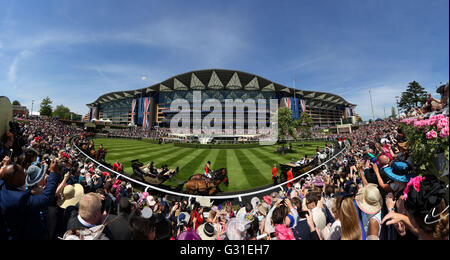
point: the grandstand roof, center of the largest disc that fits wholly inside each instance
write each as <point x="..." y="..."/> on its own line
<point x="217" y="79"/>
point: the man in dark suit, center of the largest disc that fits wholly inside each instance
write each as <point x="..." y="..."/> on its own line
<point x="120" y="224"/>
<point x="20" y="210"/>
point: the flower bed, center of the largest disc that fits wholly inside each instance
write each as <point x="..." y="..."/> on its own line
<point x="427" y="139"/>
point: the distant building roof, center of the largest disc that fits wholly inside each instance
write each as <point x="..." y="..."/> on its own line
<point x="217" y="79"/>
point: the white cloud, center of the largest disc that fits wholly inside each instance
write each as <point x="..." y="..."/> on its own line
<point x="383" y="99"/>
<point x="12" y="72"/>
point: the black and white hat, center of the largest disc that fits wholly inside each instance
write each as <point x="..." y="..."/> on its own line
<point x="207" y="231"/>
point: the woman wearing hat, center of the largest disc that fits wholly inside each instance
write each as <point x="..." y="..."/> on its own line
<point x="426" y="203"/>
<point x="35" y="180"/>
<point x="19" y="208"/>
<point x="71" y="196"/>
<point x="370" y="202"/>
<point x="397" y="182"/>
<point x="207" y="231"/>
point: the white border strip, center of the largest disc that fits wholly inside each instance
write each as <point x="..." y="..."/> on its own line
<point x="148" y="186"/>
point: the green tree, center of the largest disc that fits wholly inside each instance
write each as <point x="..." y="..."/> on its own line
<point x="393" y="113"/>
<point x="62" y="112"/>
<point x="303" y="126"/>
<point x="46" y="108"/>
<point x="414" y="95"/>
<point x="286" y="125"/>
<point x="16" y="103"/>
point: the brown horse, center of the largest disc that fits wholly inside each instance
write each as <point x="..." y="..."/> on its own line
<point x="100" y="155"/>
<point x="92" y="153"/>
<point x="197" y="183"/>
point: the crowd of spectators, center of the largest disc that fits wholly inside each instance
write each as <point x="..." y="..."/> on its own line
<point x="154" y="133"/>
<point x="49" y="191"/>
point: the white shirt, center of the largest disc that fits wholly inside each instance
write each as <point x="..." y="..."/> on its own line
<point x="319" y="217"/>
<point x="84" y="223"/>
<point x="335" y="231"/>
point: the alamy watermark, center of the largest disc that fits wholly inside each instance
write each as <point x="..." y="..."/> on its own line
<point x="262" y="118"/>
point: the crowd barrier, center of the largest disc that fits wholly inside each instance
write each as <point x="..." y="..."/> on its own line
<point x="227" y="197"/>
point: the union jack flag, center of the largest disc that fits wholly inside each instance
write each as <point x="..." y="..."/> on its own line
<point x="133" y="111"/>
<point x="94" y="113"/>
<point x="302" y="105"/>
<point x="146" y="122"/>
<point x="286" y="102"/>
<point x="348" y="112"/>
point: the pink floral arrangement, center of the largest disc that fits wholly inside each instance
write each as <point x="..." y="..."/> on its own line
<point x="432" y="126"/>
<point x="444" y="132"/>
<point x="431" y="134"/>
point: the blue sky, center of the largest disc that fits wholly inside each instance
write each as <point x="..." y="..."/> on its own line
<point x="75" y="51"/>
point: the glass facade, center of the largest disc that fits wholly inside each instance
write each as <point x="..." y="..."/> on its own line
<point x="117" y="111"/>
<point x="166" y="98"/>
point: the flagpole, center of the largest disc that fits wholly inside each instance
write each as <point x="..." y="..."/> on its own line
<point x="371" y="104"/>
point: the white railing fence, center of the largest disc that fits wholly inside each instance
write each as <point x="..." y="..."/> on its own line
<point x="237" y="196"/>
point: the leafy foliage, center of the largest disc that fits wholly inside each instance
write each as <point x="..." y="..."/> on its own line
<point x="46" y="108"/>
<point x="303" y="125"/>
<point x="414" y="95"/>
<point x="393" y="113"/>
<point x="62" y="112"/>
<point x="423" y="149"/>
<point x="285" y="124"/>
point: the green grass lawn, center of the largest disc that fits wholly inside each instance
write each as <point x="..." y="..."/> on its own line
<point x="247" y="168"/>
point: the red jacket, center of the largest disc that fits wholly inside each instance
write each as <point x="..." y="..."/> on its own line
<point x="199" y="219"/>
<point x="290" y="176"/>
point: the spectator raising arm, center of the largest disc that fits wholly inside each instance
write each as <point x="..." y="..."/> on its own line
<point x="381" y="183"/>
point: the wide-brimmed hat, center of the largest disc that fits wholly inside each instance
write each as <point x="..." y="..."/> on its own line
<point x="145" y="195"/>
<point x="369" y="199"/>
<point x="255" y="201"/>
<point x="150" y="201"/>
<point x="207" y="231"/>
<point x="71" y="195"/>
<point x="384" y="141"/>
<point x="5" y="115"/>
<point x="236" y="229"/>
<point x="263" y="208"/>
<point x="318" y="182"/>
<point x="35" y="175"/>
<point x="147" y="212"/>
<point x="183" y="217"/>
<point x="274" y="196"/>
<point x="189" y="235"/>
<point x="399" y="172"/>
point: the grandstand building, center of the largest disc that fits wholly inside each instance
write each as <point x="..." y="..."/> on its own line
<point x="150" y="106"/>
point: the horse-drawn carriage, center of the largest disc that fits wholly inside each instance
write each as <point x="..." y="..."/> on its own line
<point x="296" y="170"/>
<point x="142" y="173"/>
<point x="202" y="185"/>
